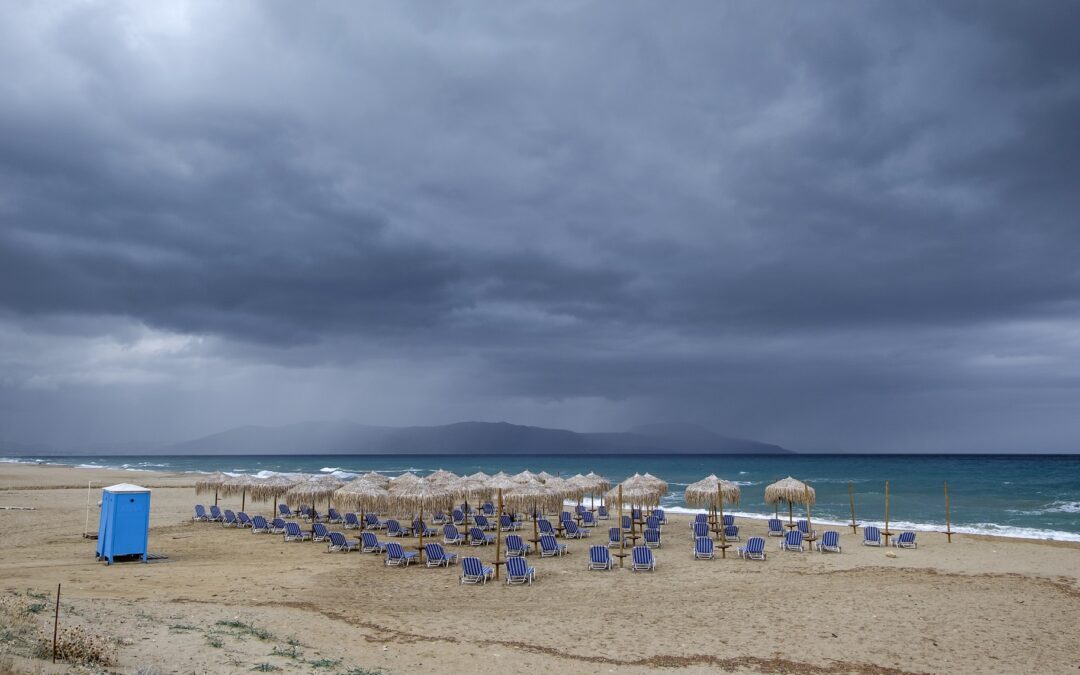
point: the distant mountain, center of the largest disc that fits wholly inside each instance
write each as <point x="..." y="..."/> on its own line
<point x="464" y="438"/>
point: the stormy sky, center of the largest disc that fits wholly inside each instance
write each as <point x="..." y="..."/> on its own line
<point x="833" y="226"/>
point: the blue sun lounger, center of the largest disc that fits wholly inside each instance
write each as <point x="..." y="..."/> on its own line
<point x="458" y="516"/>
<point x="652" y="538"/>
<point x="277" y="526"/>
<point x="200" y="514"/>
<point x="703" y="548"/>
<point x="338" y="542"/>
<point x="627" y="524"/>
<point x="614" y="536"/>
<point x="588" y="519"/>
<point x="319" y="532"/>
<point x="515" y="546"/>
<point x="372" y="522"/>
<point x="830" y="542"/>
<point x="572" y="531"/>
<point x="294" y="533"/>
<point x="871" y="536"/>
<point x="701" y="530"/>
<point x="438" y="557"/>
<point x="792" y="542"/>
<point x="660" y="515"/>
<point x="474" y="572"/>
<point x="599" y="558"/>
<point x="754" y="549"/>
<point x="731" y="533"/>
<point x="549" y="546"/>
<point x="508" y="524"/>
<point x="518" y="571"/>
<point x="243" y="520"/>
<point x="652" y="523"/>
<point x="259" y="525"/>
<point x="545" y="526"/>
<point x="394" y="529"/>
<point x="702" y="518"/>
<point x="451" y="535"/>
<point x="776" y="528"/>
<point x="215" y="515"/>
<point x="602" y="513"/>
<point x="352" y="522"/>
<point x="477" y="537"/>
<point x="643" y="559"/>
<point x="284" y="511"/>
<point x="418" y="526"/>
<point x="229" y="519"/>
<point x="905" y="540"/>
<point x="729" y="520"/>
<point x="397" y="556"/>
<point x="371" y="543"/>
<point x="482" y="522"/>
<point x="804" y="527"/>
<point x="333" y="517"/>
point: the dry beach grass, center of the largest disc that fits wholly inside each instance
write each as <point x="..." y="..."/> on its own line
<point x="229" y="601"/>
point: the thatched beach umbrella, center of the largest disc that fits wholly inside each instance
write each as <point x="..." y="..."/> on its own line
<point x="440" y="476"/>
<point x="525" y="476"/>
<point x="361" y="495"/>
<point x="274" y="487"/>
<point x="237" y="485"/>
<point x="791" y="491"/>
<point x="532" y="497"/>
<point x="544" y="476"/>
<point x="410" y="497"/>
<point x="211" y="483"/>
<point x="599" y="485"/>
<point x="313" y="488"/>
<point x="661" y="486"/>
<point x="713" y="492"/>
<point x="375" y="479"/>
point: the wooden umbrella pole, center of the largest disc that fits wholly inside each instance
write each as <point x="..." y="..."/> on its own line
<point x="809" y="522"/>
<point x="421" y="546"/>
<point x="622" y="535"/>
<point x="86" y="525"/>
<point x="886" y="532"/>
<point x="243" y="499"/>
<point x="948" y="520"/>
<point x="215" y="496"/>
<point x="723" y="534"/>
<point x="851" y="496"/>
<point x="56" y="623"/>
<point x="790" y="520"/>
<point x="498" y="539"/>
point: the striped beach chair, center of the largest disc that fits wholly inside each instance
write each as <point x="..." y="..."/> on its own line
<point x="478" y="538"/>
<point x="643" y="559"/>
<point x="702" y="518"/>
<point x="215" y="515"/>
<point x="200" y="514"/>
<point x="333" y="517"/>
<point x="418" y="526"/>
<point x="830" y="542"/>
<point x="660" y="515"/>
<point x="338" y="542"/>
<point x="652" y="538"/>
<point x="473" y="571"/>
<point x="701" y="530"/>
<point x="729" y="520"/>
<point x="284" y="511"/>
<point x="627" y="524"/>
<point x="438" y="557"/>
<point x="545" y="527"/>
<point x="458" y="516"/>
<point x="352" y="522"/>
<point x="294" y="533"/>
<point x="776" y="528"/>
<point x="652" y="523"/>
<point x="614" y="537"/>
<point x="508" y="524"/>
<point x="703" y="548"/>
<point x="602" y="513"/>
<point x="451" y="535"/>
<point x="804" y="527"/>
<point x="371" y="543"/>
<point x="482" y="522"/>
<point x="394" y="529"/>
<point x="397" y="556"/>
<point x="792" y="542"/>
<point x="905" y="540"/>
<point x="243" y="520"/>
<point x="599" y="558"/>
<point x="319" y="532"/>
<point x="277" y="526"/>
<point x="518" y="571"/>
<point x="372" y="522"/>
<point x="572" y="531"/>
<point x="731" y="532"/>
<point x="549" y="546"/>
<point x="754" y="549"/>
<point x="515" y="546"/>
<point x="588" y="519"/>
<point x="871" y="536"/>
<point x="228" y="519"/>
<point x="259" y="525"/>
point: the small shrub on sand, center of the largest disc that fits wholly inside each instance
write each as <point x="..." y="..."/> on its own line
<point x="75" y="644"/>
<point x="265" y="668"/>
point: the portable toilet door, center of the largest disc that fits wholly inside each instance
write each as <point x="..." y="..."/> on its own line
<point x="124" y="528"/>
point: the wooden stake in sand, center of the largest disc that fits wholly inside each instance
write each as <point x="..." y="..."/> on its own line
<point x="622" y="535"/>
<point x="720" y="506"/>
<point x="886" y="532"/>
<point x="56" y="623"/>
<point x="948" y="521"/>
<point x="498" y="538"/>
<point x="810" y="538"/>
<point x="86" y="525"/>
<point x="851" y="496"/>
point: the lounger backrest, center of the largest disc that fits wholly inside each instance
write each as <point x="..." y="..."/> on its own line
<point x="636" y="513"/>
<point x="337" y="539"/>
<point x="259" y="522"/>
<point x="506" y="521"/>
<point x="701" y="529"/>
<point x="319" y="529"/>
<point x="570" y="527"/>
<point x="701" y="518"/>
<point x="545" y="526"/>
<point x="477" y="534"/>
<point x="369" y="539"/>
<point x="703" y="545"/>
<point x="292" y="529"/>
<point x="565" y="516"/>
<point x="548" y="543"/>
<point x="729" y="520"/>
<point x="871" y="533"/>
<point x="450" y="532"/>
<point x="652" y="522"/>
<point x="243" y="517"/>
<point x="200" y="511"/>
<point x="215" y="512"/>
<point x="614" y="534"/>
<point x="514" y="543"/>
<point x="393" y="526"/>
<point x="394" y="551"/>
<point x="755" y="545"/>
<point x="599" y="555"/>
<point x="588" y="517"/>
<point x="830" y="539"/>
<point x="489" y="509"/>
<point x="731" y="531"/>
<point x="793" y="538"/>
<point x="627" y="523"/>
<point x="459" y="514"/>
<point x="602" y="510"/>
<point x="907" y="537"/>
<point x="804" y="526"/>
<point x="434" y="551"/>
<point x="642" y="555"/>
<point x="482" y="521"/>
<point x="472" y="567"/>
<point x="775" y="525"/>
<point x="516" y="567"/>
<point x="659" y="513"/>
<point x="283" y="509"/>
<point x="652" y="535"/>
<point x="371" y="519"/>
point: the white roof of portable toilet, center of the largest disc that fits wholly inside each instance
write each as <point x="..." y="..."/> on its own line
<point x="126" y="487"/>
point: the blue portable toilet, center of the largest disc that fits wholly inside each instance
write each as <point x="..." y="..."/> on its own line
<point x="125" y="522"/>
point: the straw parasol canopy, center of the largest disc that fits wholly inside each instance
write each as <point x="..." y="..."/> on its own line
<point x="502" y="481"/>
<point x="638" y="489"/>
<point x="470" y="487"/>
<point x="440" y="476"/>
<point x="361" y="495"/>
<point x="705" y="492"/>
<point x="525" y="476"/>
<point x="411" y="497"/>
<point x="544" y="476"/>
<point x="660" y="485"/>
<point x="274" y="487"/>
<point x="790" y="490"/>
<point x="375" y="479"/>
<point x="211" y="482"/>
<point x="314" y="487"/>
<point x="599" y="482"/>
<point x="564" y="488"/>
<point x="528" y="497"/>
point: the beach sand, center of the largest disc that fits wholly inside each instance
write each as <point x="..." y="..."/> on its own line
<point x="227" y="601"/>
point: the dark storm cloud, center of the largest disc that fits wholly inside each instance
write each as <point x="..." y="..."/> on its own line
<point x="715" y="215"/>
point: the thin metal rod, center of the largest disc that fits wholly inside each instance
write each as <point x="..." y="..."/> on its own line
<point x="56" y="623"/>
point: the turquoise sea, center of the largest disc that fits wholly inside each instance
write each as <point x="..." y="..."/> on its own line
<point x="1030" y="496"/>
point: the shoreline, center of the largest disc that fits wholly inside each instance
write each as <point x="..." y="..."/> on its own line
<point x="1018" y="533"/>
<point x="228" y="601"/>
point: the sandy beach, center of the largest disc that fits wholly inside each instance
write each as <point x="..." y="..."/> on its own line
<point x="227" y="601"/>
